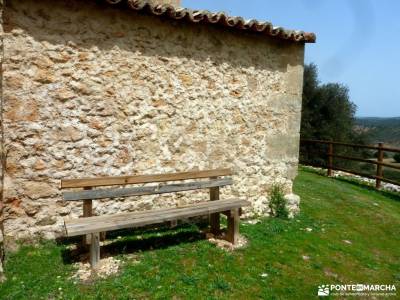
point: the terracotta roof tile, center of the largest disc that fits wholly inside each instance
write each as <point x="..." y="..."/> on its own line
<point x="206" y="17"/>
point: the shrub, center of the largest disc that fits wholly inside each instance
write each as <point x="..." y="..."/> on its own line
<point x="277" y="203"/>
<point x="397" y="157"/>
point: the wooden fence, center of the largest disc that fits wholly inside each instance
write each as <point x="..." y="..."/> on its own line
<point x="379" y="161"/>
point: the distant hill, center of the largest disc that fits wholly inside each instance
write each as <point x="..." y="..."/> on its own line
<point x="386" y="130"/>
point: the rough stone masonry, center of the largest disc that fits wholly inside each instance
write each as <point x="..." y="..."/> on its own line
<point x="2" y="278"/>
<point x="92" y="90"/>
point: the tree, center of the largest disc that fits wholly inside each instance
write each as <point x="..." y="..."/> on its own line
<point x="328" y="113"/>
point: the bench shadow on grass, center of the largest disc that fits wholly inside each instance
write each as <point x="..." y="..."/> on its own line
<point x="129" y="241"/>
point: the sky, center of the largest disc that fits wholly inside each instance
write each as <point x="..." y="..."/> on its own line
<point x="358" y="43"/>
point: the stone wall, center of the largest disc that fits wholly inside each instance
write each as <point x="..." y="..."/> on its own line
<point x="1" y="146"/>
<point x="93" y="90"/>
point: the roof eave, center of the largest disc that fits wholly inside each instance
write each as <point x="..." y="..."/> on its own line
<point x="221" y="18"/>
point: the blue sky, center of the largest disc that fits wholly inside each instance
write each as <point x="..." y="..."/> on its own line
<point x="358" y="42"/>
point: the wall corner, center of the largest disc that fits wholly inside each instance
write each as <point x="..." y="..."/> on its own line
<point x="2" y="155"/>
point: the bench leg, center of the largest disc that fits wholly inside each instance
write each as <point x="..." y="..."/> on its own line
<point x="94" y="250"/>
<point x="233" y="226"/>
<point x="87" y="212"/>
<point x="215" y="223"/>
<point x="214" y="218"/>
<point x="173" y="224"/>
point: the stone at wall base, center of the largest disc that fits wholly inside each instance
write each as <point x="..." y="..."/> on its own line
<point x="293" y="204"/>
<point x="12" y="245"/>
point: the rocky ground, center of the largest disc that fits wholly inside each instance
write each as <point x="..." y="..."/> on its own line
<point x="385" y="186"/>
<point x="339" y="174"/>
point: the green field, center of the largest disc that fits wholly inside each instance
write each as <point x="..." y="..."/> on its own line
<point x="346" y="233"/>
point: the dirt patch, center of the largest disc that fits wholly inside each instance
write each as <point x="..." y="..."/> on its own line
<point x="106" y="267"/>
<point x="220" y="242"/>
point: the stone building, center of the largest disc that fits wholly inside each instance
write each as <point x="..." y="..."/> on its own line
<point x="104" y="88"/>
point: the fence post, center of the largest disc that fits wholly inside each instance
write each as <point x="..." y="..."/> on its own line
<point x="379" y="167"/>
<point x="330" y="159"/>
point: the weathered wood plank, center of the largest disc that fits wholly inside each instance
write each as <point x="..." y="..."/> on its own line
<point x="145" y="190"/>
<point x="94" y="249"/>
<point x="138" y="222"/>
<point x="121" y="180"/>
<point x="130" y="221"/>
<point x="73" y="225"/>
<point x="139" y="214"/>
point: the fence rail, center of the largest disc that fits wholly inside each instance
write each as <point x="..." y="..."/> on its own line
<point x="379" y="162"/>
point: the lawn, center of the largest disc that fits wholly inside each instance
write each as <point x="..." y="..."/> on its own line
<point x="346" y="233"/>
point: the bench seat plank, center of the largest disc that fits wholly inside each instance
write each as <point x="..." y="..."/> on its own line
<point x="145" y="190"/>
<point x="137" y="219"/>
<point x="138" y="214"/>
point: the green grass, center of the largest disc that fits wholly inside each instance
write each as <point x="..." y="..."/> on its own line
<point x="178" y="264"/>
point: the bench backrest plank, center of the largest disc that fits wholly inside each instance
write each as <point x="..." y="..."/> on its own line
<point x="138" y="179"/>
<point x="145" y="190"/>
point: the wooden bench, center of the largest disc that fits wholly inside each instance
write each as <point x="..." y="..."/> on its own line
<point x="91" y="226"/>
